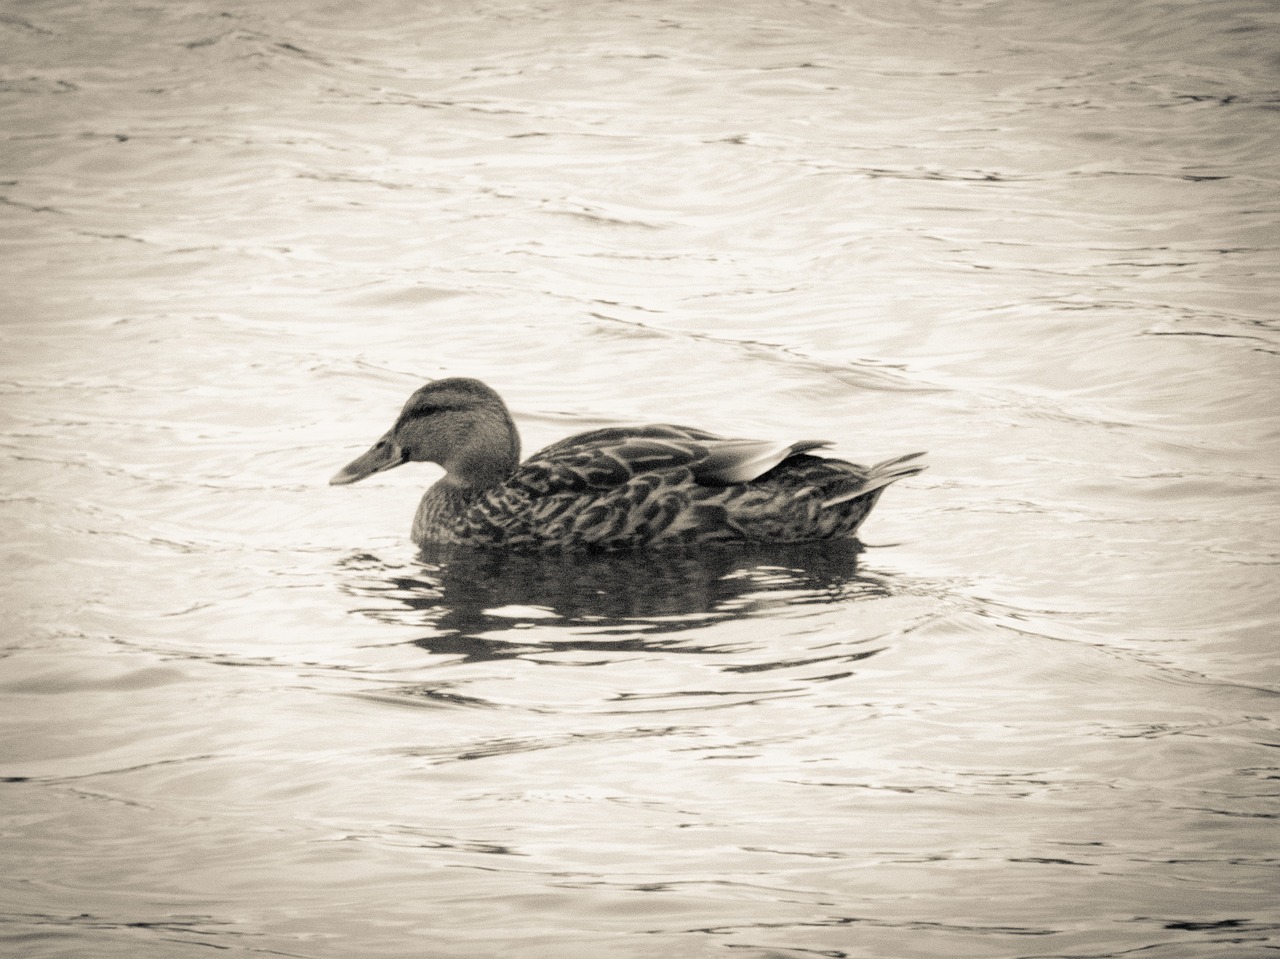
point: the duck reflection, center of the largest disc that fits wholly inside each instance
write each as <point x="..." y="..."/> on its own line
<point x="477" y="603"/>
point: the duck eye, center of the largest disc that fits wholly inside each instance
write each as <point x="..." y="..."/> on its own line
<point x="430" y="410"/>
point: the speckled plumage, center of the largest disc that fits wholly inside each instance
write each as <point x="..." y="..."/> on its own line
<point x="618" y="487"/>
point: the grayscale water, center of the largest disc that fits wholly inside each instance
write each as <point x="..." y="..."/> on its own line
<point x="1036" y="716"/>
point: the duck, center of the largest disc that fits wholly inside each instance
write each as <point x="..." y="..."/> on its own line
<point x="614" y="488"/>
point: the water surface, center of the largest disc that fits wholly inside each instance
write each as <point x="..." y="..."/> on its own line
<point x="1033" y="715"/>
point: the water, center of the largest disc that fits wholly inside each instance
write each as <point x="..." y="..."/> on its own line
<point x="1035" y="716"/>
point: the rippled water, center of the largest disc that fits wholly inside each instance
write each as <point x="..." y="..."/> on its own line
<point x="1035" y="716"/>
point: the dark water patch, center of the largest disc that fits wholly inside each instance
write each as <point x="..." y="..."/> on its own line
<point x="427" y="696"/>
<point x="1191" y="925"/>
<point x="807" y="661"/>
<point x="872" y="376"/>
<point x="491" y="748"/>
<point x="477" y="596"/>
<point x="20" y="23"/>
<point x="403" y="835"/>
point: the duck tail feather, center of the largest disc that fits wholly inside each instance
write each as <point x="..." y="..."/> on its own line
<point x="880" y="476"/>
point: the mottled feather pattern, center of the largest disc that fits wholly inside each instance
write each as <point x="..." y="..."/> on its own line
<point x="616" y="487"/>
<point x="632" y="502"/>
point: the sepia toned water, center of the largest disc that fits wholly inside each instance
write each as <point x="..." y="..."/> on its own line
<point x="1036" y="716"/>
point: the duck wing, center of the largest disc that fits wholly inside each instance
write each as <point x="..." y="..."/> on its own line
<point x="612" y="457"/>
<point x="741" y="461"/>
<point x="622" y="485"/>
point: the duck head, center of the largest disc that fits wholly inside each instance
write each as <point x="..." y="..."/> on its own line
<point x="457" y="423"/>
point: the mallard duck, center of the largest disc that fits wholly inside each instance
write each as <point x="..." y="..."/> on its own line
<point x="618" y="487"/>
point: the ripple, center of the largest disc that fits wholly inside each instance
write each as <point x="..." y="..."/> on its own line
<point x="1037" y="239"/>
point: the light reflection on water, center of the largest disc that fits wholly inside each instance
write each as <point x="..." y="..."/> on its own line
<point x="1033" y="717"/>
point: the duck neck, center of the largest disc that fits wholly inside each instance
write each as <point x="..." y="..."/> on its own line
<point x="489" y="456"/>
<point x="481" y="456"/>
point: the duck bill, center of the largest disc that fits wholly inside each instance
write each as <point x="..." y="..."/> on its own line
<point x="382" y="455"/>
